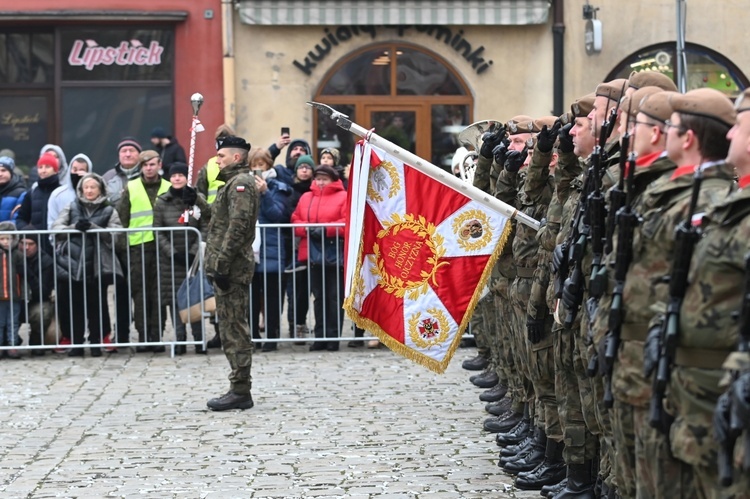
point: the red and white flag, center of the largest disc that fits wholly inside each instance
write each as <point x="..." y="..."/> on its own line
<point x="419" y="255"/>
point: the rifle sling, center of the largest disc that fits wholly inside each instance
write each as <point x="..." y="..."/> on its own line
<point x="701" y="358"/>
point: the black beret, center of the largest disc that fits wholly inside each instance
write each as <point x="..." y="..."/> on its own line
<point x="232" y="142"/>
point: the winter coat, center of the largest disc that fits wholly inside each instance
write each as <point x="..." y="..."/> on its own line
<point x="34" y="207"/>
<point x="168" y="210"/>
<point x="117" y="179"/>
<point x="40" y="277"/>
<point x="274" y="209"/>
<point x="326" y="205"/>
<point x="10" y="196"/>
<point x="172" y="153"/>
<point x="66" y="193"/>
<point x="11" y="267"/>
<point x="74" y="250"/>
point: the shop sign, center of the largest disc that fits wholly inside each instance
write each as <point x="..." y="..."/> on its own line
<point x="454" y="39"/>
<point x="89" y="54"/>
<point x="117" y="54"/>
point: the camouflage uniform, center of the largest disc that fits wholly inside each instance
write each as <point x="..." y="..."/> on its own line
<point x="229" y="252"/>
<point x="580" y="443"/>
<point x="707" y="330"/>
<point x="636" y="442"/>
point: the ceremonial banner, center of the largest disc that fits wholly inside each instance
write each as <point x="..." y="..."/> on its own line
<point x="419" y="255"/>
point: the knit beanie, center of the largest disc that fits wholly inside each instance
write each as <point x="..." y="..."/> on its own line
<point x="33" y="237"/>
<point x="129" y="141"/>
<point x="178" y="167"/>
<point x="7" y="163"/>
<point x="305" y="159"/>
<point x="49" y="159"/>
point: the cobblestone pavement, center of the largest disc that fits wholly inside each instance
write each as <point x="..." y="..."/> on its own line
<point x="355" y="423"/>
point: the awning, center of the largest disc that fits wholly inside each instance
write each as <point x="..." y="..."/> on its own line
<point x="391" y="12"/>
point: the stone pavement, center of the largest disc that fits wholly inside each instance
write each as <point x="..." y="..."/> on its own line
<point x="355" y="423"/>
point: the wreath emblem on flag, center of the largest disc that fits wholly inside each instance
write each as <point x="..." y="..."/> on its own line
<point x="428" y="330"/>
<point x="473" y="230"/>
<point x="400" y="264"/>
<point x="379" y="183"/>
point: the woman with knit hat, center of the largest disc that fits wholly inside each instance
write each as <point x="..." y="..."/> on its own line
<point x="35" y="203"/>
<point x="11" y="188"/>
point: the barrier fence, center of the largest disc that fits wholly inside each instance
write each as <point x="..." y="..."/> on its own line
<point x="100" y="291"/>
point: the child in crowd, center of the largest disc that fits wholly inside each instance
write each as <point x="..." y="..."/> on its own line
<point x="11" y="268"/>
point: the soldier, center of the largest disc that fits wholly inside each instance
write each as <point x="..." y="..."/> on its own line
<point x="135" y="209"/>
<point x="697" y="141"/>
<point x="576" y="145"/>
<point x="642" y="459"/>
<point x="230" y="263"/>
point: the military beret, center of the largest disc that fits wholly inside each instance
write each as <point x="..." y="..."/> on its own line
<point x="632" y="102"/>
<point x="742" y="103"/>
<point x="613" y="90"/>
<point x="640" y="79"/>
<point x="583" y="106"/>
<point x="547" y="121"/>
<point x="706" y="103"/>
<point x="147" y="155"/>
<point x="521" y="124"/>
<point x="232" y="142"/>
<point x="656" y="106"/>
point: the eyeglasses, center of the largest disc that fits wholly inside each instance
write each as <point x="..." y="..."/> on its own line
<point x="304" y="166"/>
<point x="679" y="127"/>
<point x="650" y="124"/>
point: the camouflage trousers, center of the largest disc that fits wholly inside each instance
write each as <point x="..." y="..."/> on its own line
<point x="644" y="466"/>
<point x="231" y="312"/>
<point x="503" y="345"/>
<point x="691" y="398"/>
<point x="540" y="360"/>
<point x="478" y="326"/>
<point x="580" y="443"/>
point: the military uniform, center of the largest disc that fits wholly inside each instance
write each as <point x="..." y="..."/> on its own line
<point x="229" y="253"/>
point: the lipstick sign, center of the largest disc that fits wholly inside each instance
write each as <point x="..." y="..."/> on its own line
<point x="89" y="54"/>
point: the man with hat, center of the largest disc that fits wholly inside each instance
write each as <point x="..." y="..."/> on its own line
<point x="230" y="263"/>
<point x="168" y="148"/>
<point x="640" y="448"/>
<point x="12" y="187"/>
<point x="135" y="209"/>
<point x="697" y="132"/>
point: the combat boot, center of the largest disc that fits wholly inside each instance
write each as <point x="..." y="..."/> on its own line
<point x="550" y="491"/>
<point x="514" y="450"/>
<point x="515" y="435"/>
<point x="580" y="483"/>
<point x="499" y="408"/>
<point x="477" y="363"/>
<point x="502" y="423"/>
<point x="486" y="371"/>
<point x="214" y="342"/>
<point x="486" y="380"/>
<point x="550" y="471"/>
<point x="231" y="400"/>
<point x="494" y="394"/>
<point x="532" y="457"/>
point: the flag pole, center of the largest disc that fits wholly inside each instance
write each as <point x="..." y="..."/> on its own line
<point x="196" y="101"/>
<point x="424" y="166"/>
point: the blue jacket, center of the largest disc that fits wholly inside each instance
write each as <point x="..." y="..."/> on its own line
<point x="10" y="195"/>
<point x="274" y="209"/>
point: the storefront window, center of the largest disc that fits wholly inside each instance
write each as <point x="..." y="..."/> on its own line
<point x="705" y="67"/>
<point x="330" y="135"/>
<point x="24" y="123"/>
<point x="447" y="122"/>
<point x="420" y="74"/>
<point x="368" y="74"/>
<point x="26" y="58"/>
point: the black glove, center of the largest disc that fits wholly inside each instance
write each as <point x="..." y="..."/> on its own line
<point x="499" y="152"/>
<point x="571" y="297"/>
<point x="546" y="138"/>
<point x="221" y="281"/>
<point x="651" y="350"/>
<point x="558" y="257"/>
<point x="83" y="225"/>
<point x="740" y="392"/>
<point x="515" y="159"/>
<point x="317" y="233"/>
<point x="534" y="330"/>
<point x="189" y="195"/>
<point x="490" y="140"/>
<point x="566" y="141"/>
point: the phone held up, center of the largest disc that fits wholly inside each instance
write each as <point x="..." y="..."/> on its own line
<point x="284" y="130"/>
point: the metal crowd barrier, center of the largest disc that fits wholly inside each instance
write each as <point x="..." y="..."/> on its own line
<point x="282" y="296"/>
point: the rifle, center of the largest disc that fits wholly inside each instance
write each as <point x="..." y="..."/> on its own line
<point x="686" y="237"/>
<point x="728" y="420"/>
<point x="617" y="197"/>
<point x="627" y="220"/>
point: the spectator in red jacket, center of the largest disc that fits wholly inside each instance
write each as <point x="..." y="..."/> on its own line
<point x="324" y="248"/>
